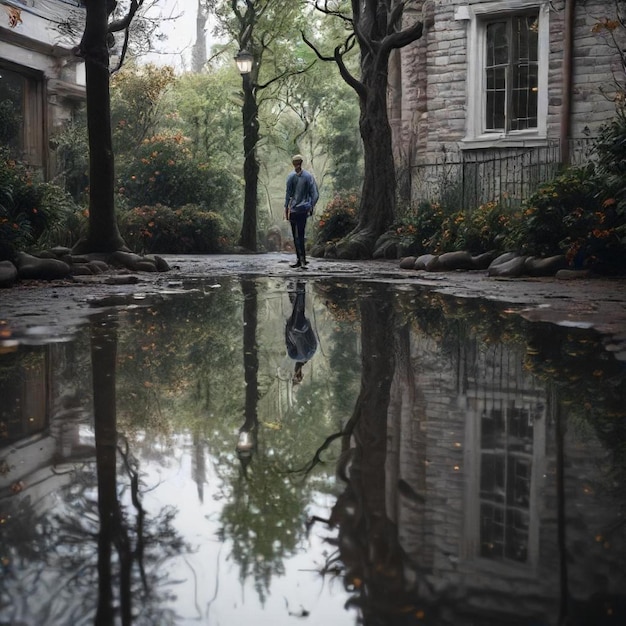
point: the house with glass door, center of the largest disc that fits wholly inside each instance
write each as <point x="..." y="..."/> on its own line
<point x="41" y="80"/>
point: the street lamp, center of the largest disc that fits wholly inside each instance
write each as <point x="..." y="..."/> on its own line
<point x="250" y="117"/>
<point x="244" y="60"/>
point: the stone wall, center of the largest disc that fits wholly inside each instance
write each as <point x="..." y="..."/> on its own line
<point x="434" y="73"/>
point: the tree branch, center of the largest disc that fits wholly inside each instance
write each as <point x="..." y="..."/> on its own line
<point x="123" y="23"/>
<point x="403" y="38"/>
<point x="338" y="59"/>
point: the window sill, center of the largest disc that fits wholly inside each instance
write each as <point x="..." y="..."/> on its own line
<point x="527" y="140"/>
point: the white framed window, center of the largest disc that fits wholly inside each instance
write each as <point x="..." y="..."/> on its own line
<point x="507" y="72"/>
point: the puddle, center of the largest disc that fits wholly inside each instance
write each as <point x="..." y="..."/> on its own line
<point x="320" y="452"/>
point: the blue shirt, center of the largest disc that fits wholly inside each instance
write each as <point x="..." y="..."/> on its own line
<point x="301" y="191"/>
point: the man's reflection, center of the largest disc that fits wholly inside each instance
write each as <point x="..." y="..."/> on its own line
<point x="300" y="337"/>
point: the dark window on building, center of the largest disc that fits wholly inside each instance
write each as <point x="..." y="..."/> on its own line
<point x="512" y="73"/>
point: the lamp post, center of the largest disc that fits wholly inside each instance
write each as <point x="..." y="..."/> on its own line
<point x="250" y="111"/>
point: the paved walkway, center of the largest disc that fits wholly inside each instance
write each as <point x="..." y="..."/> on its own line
<point x="598" y="303"/>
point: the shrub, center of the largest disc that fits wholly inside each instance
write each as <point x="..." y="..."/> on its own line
<point x="185" y="230"/>
<point x="483" y="229"/>
<point x="552" y="215"/>
<point x="31" y="213"/>
<point x="338" y="218"/>
<point x="164" y="171"/>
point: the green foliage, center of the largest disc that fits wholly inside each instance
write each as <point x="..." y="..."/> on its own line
<point x="338" y="218"/>
<point x="31" y="213"/>
<point x="432" y="229"/>
<point x="342" y="142"/>
<point x="482" y="229"/>
<point x="550" y="213"/>
<point x="185" y="230"/>
<point x="136" y="94"/>
<point x="163" y="170"/>
<point x="72" y="153"/>
<point x="202" y="107"/>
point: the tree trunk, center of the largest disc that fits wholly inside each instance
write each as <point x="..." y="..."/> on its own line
<point x="378" y="200"/>
<point x="250" y="114"/>
<point x="103" y="234"/>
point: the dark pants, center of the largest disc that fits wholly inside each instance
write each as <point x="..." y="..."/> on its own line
<point x="298" y="226"/>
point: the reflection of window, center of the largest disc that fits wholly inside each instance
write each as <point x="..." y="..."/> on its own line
<point x="507" y="77"/>
<point x="21" y="115"/>
<point x="505" y="482"/>
<point x="511" y="73"/>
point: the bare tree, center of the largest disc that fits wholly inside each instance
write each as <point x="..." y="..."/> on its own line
<point x="376" y="27"/>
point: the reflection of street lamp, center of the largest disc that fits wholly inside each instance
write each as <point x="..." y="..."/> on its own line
<point x="250" y="111"/>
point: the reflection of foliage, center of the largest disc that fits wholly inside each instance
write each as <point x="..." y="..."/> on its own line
<point x="174" y="366"/>
<point x="262" y="519"/>
<point x="590" y="387"/>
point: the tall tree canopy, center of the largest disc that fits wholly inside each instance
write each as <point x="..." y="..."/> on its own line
<point x="376" y="28"/>
<point x="265" y="29"/>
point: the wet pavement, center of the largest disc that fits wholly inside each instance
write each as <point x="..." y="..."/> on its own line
<point x="598" y="303"/>
<point x="236" y="441"/>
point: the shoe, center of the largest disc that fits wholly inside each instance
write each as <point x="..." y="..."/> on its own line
<point x="297" y="264"/>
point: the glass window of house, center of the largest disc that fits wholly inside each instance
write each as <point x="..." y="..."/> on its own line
<point x="511" y="73"/>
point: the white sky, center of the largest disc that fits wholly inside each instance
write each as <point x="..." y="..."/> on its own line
<point x="181" y="32"/>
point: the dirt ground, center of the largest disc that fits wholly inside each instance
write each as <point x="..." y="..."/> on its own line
<point x="35" y="308"/>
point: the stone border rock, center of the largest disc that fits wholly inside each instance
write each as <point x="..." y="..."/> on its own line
<point x="507" y="265"/>
<point x="59" y="263"/>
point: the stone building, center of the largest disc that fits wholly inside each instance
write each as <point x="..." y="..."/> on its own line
<point x="497" y="93"/>
<point x="42" y="81"/>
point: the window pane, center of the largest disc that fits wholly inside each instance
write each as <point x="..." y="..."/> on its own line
<point x="497" y="44"/>
<point x="496" y="99"/>
<point x="525" y="71"/>
<point x="525" y="33"/>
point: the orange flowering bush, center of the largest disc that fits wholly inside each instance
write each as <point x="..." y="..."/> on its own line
<point x="338" y="218"/>
<point x="164" y="170"/>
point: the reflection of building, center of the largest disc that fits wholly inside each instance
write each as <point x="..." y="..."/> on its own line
<point x="504" y="457"/>
<point x="472" y="487"/>
<point x="40" y="426"/>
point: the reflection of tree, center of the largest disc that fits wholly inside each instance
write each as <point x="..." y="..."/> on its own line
<point x="264" y="506"/>
<point x="248" y="431"/>
<point x="115" y="521"/>
<point x="94" y="533"/>
<point x="368" y="544"/>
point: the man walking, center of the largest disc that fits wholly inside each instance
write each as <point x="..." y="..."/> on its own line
<point x="300" y="200"/>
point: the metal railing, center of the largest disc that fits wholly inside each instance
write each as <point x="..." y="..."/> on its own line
<point x="466" y="179"/>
